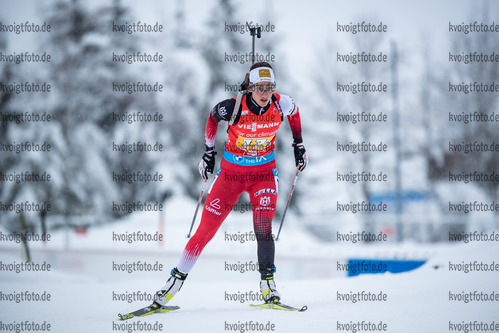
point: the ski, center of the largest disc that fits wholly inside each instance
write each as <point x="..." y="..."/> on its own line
<point x="279" y="306"/>
<point x="148" y="310"/>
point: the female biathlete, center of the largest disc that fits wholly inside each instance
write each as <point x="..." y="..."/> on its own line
<point x="248" y="165"/>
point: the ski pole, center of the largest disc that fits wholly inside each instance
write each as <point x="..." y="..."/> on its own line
<point x="197" y="207"/>
<point x="287" y="204"/>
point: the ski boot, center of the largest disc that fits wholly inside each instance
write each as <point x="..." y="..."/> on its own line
<point x="267" y="286"/>
<point x="171" y="287"/>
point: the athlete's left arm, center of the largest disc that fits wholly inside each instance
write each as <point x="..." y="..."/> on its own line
<point x="291" y="110"/>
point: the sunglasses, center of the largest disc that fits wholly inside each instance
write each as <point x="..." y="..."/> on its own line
<point x="261" y="88"/>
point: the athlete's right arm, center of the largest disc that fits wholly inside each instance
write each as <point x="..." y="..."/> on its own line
<point x="221" y="111"/>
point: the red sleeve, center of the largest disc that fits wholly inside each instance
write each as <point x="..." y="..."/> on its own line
<point x="211" y="132"/>
<point x="295" y="125"/>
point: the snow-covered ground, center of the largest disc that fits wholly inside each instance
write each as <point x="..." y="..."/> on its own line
<point x="86" y="294"/>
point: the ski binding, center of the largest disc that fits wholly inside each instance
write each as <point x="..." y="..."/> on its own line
<point x="148" y="310"/>
<point x="276" y="305"/>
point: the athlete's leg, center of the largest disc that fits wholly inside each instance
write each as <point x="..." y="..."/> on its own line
<point x="221" y="197"/>
<point x="263" y="196"/>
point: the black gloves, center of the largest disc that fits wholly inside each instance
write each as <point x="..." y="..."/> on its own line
<point x="207" y="164"/>
<point x="301" y="158"/>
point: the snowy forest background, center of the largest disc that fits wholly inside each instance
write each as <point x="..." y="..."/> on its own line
<point x="194" y="75"/>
